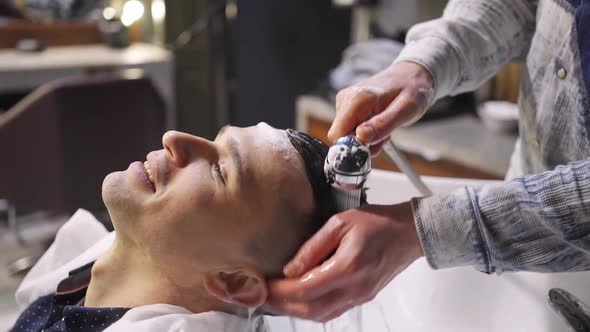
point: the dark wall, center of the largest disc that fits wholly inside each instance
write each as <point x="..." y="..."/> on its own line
<point x="195" y="108"/>
<point x="283" y="49"/>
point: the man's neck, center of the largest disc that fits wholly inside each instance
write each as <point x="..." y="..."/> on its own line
<point x="124" y="277"/>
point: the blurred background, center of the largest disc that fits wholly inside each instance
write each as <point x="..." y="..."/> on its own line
<point x="86" y="86"/>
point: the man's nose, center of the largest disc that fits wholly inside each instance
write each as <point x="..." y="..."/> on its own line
<point x="182" y="148"/>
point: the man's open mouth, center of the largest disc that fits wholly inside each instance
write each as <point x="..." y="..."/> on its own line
<point x="148" y="169"/>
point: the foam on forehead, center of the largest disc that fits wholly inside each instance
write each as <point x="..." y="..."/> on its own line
<point x="277" y="139"/>
<point x="282" y="148"/>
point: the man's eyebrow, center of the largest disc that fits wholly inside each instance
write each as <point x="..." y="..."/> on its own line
<point x="234" y="151"/>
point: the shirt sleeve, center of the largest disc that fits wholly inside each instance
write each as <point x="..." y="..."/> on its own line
<point x="470" y="42"/>
<point x="535" y="223"/>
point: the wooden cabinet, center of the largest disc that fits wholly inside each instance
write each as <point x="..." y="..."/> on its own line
<point x="50" y="34"/>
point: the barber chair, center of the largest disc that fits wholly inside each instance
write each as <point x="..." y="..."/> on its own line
<point x="59" y="142"/>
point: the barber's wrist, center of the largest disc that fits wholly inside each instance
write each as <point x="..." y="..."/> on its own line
<point x="404" y="213"/>
<point x="414" y="232"/>
<point x="421" y="72"/>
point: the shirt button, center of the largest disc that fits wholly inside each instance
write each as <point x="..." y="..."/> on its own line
<point x="562" y="73"/>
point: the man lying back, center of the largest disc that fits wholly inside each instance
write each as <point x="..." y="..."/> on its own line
<point x="200" y="225"/>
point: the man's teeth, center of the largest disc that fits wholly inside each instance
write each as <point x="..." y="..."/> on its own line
<point x="148" y="168"/>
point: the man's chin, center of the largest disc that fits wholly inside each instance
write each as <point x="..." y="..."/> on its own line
<point x="111" y="184"/>
<point x="121" y="196"/>
<point x="116" y="191"/>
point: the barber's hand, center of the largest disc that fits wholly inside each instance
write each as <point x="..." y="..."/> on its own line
<point x="372" y="245"/>
<point x="397" y="96"/>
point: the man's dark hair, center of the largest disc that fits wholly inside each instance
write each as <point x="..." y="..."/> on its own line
<point x="280" y="242"/>
<point x="313" y="152"/>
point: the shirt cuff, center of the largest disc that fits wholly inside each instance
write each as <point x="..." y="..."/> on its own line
<point x="448" y="228"/>
<point x="439" y="58"/>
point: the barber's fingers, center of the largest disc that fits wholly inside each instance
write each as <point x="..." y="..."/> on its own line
<point x="407" y="106"/>
<point x="354" y="105"/>
<point x="316" y="249"/>
<point x="375" y="244"/>
<point x="379" y="104"/>
<point x="304" y="269"/>
<point x="340" y="271"/>
<point x="312" y="285"/>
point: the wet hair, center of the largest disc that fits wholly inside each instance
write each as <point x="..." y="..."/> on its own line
<point x="278" y="244"/>
<point x="313" y="153"/>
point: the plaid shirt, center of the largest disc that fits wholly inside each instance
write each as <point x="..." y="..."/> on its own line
<point x="538" y="222"/>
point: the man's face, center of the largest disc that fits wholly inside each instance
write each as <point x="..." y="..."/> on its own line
<point x="193" y="206"/>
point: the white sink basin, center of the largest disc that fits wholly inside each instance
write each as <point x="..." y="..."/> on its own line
<point x="460" y="299"/>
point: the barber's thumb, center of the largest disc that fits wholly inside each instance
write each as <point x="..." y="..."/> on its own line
<point x="294" y="269"/>
<point x="367" y="133"/>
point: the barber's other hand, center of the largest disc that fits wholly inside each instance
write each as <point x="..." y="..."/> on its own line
<point x="392" y="98"/>
<point x="371" y="245"/>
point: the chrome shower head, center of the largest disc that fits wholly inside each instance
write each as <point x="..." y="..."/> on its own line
<point x="347" y="167"/>
<point x="348" y="163"/>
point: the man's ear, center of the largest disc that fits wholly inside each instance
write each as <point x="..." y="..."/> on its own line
<point x="243" y="287"/>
